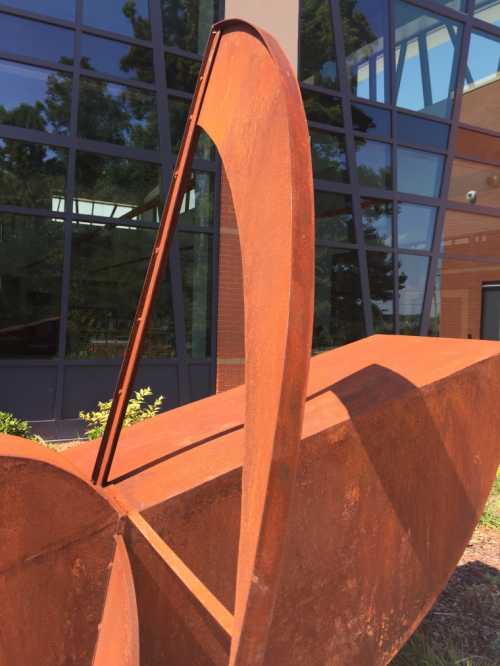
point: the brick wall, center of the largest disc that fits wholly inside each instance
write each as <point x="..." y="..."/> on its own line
<point x="230" y="327"/>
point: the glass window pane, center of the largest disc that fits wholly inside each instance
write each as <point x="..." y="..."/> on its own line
<point x="322" y="108"/>
<point x="34" y="98"/>
<point x="108" y="266"/>
<point x="117" y="114"/>
<point x="416" y="226"/>
<point x="187" y="23"/>
<point x="116" y="58"/>
<point x="178" y="112"/>
<point x="381" y="281"/>
<point x="490" y="325"/>
<point x="182" y="73"/>
<point x="471" y="235"/>
<point x="62" y="9"/>
<point x="127" y="18"/>
<point x="329" y="156"/>
<point x="197" y="203"/>
<point x="318" y="66"/>
<point x="37" y="40"/>
<point x="458" y="297"/>
<point x="196" y="263"/>
<point x="483" y="179"/>
<point x="31" y="258"/>
<point x="377" y="221"/>
<point x="117" y="188"/>
<point x="366" y="28"/>
<point x="427" y="52"/>
<point x="412" y="280"/>
<point x="338" y="316"/>
<point x="480" y="98"/>
<point x="371" y="119"/>
<point x="458" y="5"/>
<point x="419" y="172"/>
<point x="373" y="160"/>
<point x="488" y="10"/>
<point x="334" y="220"/>
<point x="419" y="131"/>
<point x="32" y="175"/>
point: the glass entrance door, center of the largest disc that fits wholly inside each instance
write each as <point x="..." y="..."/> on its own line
<point x="490" y="322"/>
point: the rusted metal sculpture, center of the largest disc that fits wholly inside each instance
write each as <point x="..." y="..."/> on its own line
<point x="310" y="517"/>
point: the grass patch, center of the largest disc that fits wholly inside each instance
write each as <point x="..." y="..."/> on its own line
<point x="491" y="515"/>
<point x="462" y="628"/>
<point x="419" y="651"/>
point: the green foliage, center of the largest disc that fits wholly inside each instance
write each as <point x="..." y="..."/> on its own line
<point x="137" y="410"/>
<point x="9" y="425"/>
<point x="491" y="515"/>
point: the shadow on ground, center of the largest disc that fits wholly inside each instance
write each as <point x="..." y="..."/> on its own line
<point x="464" y="625"/>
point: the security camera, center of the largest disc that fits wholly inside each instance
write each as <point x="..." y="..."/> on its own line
<point x="472" y="196"/>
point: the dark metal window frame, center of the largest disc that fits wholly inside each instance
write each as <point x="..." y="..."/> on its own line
<point x="163" y="157"/>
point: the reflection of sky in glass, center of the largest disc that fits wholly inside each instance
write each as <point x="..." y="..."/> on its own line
<point x="488" y="10"/>
<point x="105" y="55"/>
<point x="63" y="9"/>
<point x="415" y="226"/>
<point x="21" y="84"/>
<point x="377" y="222"/>
<point x="411" y="295"/>
<point x="419" y="172"/>
<point x="373" y="160"/>
<point x="484" y="59"/>
<point x="428" y="43"/>
<point x="109" y="15"/>
<point x="38" y="40"/>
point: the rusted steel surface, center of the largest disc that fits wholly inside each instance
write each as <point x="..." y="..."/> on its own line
<point x="308" y="518"/>
<point x="118" y="640"/>
<point x="56" y="543"/>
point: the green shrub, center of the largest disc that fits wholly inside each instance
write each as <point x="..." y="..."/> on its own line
<point x="137" y="410"/>
<point x="9" y="425"/>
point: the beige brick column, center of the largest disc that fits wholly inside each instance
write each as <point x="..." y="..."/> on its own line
<point x="279" y="17"/>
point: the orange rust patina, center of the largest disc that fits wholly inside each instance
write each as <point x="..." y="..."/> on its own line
<point x="310" y="517"/>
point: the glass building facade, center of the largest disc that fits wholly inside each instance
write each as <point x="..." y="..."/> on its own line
<point x="402" y="100"/>
<point x="93" y="102"/>
<point x="403" y="103"/>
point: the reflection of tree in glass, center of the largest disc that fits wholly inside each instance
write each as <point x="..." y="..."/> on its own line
<point x="338" y="307"/>
<point x="377" y="221"/>
<point x="31" y="252"/>
<point x="334" y="221"/>
<point x="196" y="263"/>
<point x="186" y="23"/>
<point x="31" y="174"/>
<point x="116" y="180"/>
<point x="317" y="50"/>
<point x="117" y="114"/>
<point x="381" y="281"/>
<point x="323" y="108"/>
<point x="141" y="26"/>
<point x="361" y="121"/>
<point x="107" y="273"/>
<point x="329" y="156"/>
<point x="182" y="73"/>
<point x="357" y="31"/>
